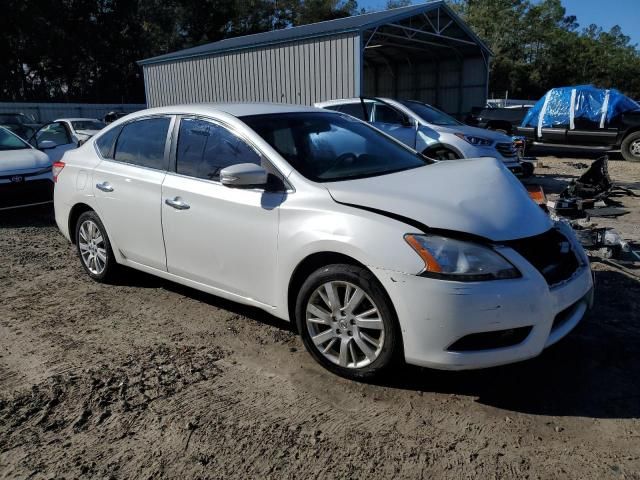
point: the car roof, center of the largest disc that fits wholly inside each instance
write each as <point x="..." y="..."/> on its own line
<point x="76" y="119"/>
<point x="235" y="109"/>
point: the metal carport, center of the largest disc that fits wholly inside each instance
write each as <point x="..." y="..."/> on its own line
<point x="423" y="52"/>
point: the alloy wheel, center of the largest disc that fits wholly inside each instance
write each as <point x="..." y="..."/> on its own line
<point x="92" y="247"/>
<point x="344" y="324"/>
<point x="634" y="148"/>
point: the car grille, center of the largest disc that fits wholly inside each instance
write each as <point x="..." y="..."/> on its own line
<point x="25" y="193"/>
<point x="550" y="253"/>
<point x="507" y="149"/>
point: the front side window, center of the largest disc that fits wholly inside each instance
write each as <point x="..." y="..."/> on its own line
<point x="205" y="148"/>
<point x="327" y="147"/>
<point x="142" y="143"/>
<point x="386" y="114"/>
<point x="54" y="132"/>
<point x="8" y="141"/>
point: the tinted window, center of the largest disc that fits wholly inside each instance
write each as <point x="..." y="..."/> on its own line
<point x="430" y="114"/>
<point x="386" y="114"/>
<point x="54" y="132"/>
<point x="328" y="146"/>
<point x="142" y="143"/>
<point x="205" y="148"/>
<point x="105" y="142"/>
<point x="9" y="141"/>
<point x="88" y="125"/>
<point x="355" y="110"/>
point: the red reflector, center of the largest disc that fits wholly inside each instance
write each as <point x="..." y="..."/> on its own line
<point x="536" y="193"/>
<point x="57" y="168"/>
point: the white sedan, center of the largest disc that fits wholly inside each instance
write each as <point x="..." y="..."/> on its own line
<point x="25" y="173"/>
<point x="377" y="253"/>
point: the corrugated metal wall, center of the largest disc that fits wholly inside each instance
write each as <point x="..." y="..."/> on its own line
<point x="452" y="85"/>
<point x="46" y="112"/>
<point x="301" y="72"/>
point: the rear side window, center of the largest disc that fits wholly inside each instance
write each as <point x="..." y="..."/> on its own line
<point x="355" y="110"/>
<point x="205" y="148"/>
<point x="142" y="143"/>
<point x="106" y="141"/>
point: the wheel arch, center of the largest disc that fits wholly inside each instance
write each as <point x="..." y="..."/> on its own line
<point x="77" y="210"/>
<point x="306" y="267"/>
<point x="443" y="145"/>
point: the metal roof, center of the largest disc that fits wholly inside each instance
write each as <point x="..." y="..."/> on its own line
<point x="354" y="23"/>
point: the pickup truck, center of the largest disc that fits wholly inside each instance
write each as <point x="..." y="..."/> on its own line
<point x="504" y="120"/>
<point x="604" y="129"/>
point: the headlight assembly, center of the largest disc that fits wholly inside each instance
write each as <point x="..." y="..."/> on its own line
<point x="476" y="141"/>
<point x="452" y="259"/>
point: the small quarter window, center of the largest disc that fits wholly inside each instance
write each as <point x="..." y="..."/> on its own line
<point x="142" y="143"/>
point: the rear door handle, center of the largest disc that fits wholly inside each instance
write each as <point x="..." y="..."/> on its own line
<point x="177" y="203"/>
<point x="104" y="186"/>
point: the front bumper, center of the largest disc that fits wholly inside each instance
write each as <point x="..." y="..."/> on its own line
<point x="29" y="190"/>
<point x="434" y="314"/>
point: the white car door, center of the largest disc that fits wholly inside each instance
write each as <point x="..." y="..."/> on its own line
<point x="222" y="237"/>
<point x="128" y="188"/>
<point x="394" y="123"/>
<point x="58" y="133"/>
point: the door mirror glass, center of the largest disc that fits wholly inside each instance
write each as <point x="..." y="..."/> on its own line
<point x="244" y="175"/>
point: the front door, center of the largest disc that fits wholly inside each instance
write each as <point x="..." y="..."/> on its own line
<point x="222" y="237"/>
<point x="128" y="188"/>
<point x="394" y="123"/>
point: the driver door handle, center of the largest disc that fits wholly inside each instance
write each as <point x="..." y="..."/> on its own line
<point x="177" y="203"/>
<point x="104" y="186"/>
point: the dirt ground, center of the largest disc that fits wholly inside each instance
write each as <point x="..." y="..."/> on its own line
<point x="148" y="379"/>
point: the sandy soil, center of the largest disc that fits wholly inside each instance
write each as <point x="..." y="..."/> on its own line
<point x="147" y="379"/>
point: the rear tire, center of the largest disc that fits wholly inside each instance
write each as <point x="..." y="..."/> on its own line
<point x="94" y="248"/>
<point x="347" y="322"/>
<point x="630" y="147"/>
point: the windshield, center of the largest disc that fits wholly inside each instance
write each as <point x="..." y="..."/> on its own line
<point x="10" y="118"/>
<point x="327" y="147"/>
<point x="9" y="141"/>
<point x="430" y="114"/>
<point x="88" y="125"/>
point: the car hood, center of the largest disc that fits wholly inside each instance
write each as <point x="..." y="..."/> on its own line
<point x="25" y="159"/>
<point x="476" y="132"/>
<point x="475" y="196"/>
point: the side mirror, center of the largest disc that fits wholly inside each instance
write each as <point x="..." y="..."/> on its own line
<point x="47" y="145"/>
<point x="244" y="175"/>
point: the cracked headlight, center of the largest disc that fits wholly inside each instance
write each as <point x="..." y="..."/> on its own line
<point x="452" y="259"/>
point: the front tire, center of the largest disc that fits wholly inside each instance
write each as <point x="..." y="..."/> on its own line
<point x="94" y="248"/>
<point x="630" y="147"/>
<point x="441" y="153"/>
<point x="347" y="322"/>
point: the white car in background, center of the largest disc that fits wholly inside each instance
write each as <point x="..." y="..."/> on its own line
<point x="376" y="252"/>
<point x="66" y="134"/>
<point x="429" y="130"/>
<point x="25" y="173"/>
<point x="82" y="129"/>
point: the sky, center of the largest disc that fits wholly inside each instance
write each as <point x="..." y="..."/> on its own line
<point x="625" y="13"/>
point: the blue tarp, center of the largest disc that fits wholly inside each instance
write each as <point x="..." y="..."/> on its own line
<point x="596" y="105"/>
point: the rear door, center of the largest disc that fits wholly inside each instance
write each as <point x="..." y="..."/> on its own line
<point x="393" y="122"/>
<point x="58" y="133"/>
<point x="223" y="237"/>
<point x="128" y="187"/>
